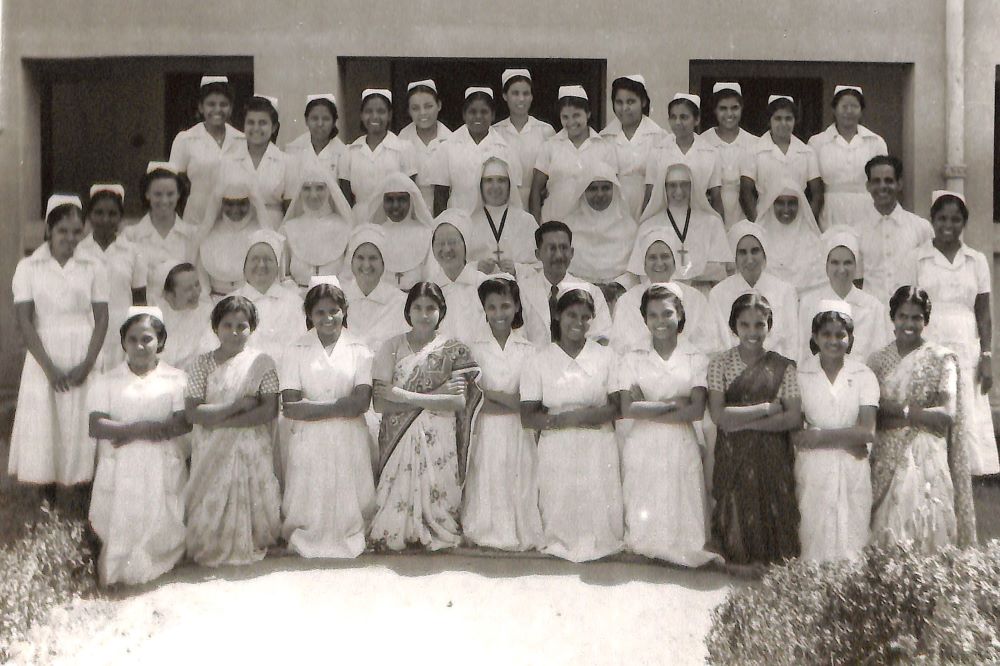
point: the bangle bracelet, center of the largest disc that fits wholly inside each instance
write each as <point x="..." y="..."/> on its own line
<point x="987" y="353"/>
<point x="906" y="413"/>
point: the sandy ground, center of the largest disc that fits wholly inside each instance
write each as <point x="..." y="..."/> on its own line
<point x="414" y="609"/>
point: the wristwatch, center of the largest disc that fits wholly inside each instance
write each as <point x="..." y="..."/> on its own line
<point x="987" y="353"/>
<point x="906" y="413"/>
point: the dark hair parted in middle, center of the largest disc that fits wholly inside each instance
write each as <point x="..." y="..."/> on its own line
<point x="822" y="319"/>
<point x="909" y="294"/>
<point x="565" y="302"/>
<point x="317" y="294"/>
<point x="158" y="328"/>
<point x="330" y="106"/>
<point x="231" y="304"/>
<point x="431" y="291"/>
<point x="503" y="287"/>
<point x="634" y="87"/>
<point x="750" y="302"/>
<point x="658" y="292"/>
<point x="263" y="105"/>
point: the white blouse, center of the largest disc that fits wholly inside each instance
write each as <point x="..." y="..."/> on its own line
<point x="196" y="153"/>
<point x="161" y="253"/>
<point x="702" y="158"/>
<point x="422" y="155"/>
<point x="564" y="164"/>
<point x="525" y="143"/>
<point x="301" y="156"/>
<point x="831" y="406"/>
<point x="307" y="367"/>
<point x="629" y="331"/>
<point x="842" y="163"/>
<point x="501" y="368"/>
<point x="280" y="319"/>
<point x="376" y="317"/>
<point x="632" y="156"/>
<point x="767" y="166"/>
<point x="271" y="177"/>
<point x="733" y="156"/>
<point x="953" y="283"/>
<point x="457" y="163"/>
<point x="562" y="383"/>
<point x="61" y="294"/>
<point x="660" y="380"/>
<point x="365" y="169"/>
<point x="872" y="328"/>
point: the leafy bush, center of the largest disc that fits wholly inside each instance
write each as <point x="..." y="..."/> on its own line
<point x="49" y="565"/>
<point x="893" y="605"/>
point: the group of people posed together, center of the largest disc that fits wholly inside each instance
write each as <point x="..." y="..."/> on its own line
<point x="699" y="348"/>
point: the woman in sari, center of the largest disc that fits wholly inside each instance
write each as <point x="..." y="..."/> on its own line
<point x="420" y="390"/>
<point x="921" y="486"/>
<point x="753" y="397"/>
<point x="232" y="399"/>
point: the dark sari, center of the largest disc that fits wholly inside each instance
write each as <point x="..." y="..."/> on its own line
<point x="756" y="516"/>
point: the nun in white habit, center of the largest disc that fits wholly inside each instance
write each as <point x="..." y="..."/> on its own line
<point x="376" y="304"/>
<point x="750" y="247"/>
<point x="459" y="279"/>
<point x="793" y="247"/>
<point x="501" y="234"/>
<point x="399" y="209"/>
<point x="317" y="227"/>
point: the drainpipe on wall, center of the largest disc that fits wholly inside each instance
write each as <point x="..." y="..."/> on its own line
<point x="954" y="45"/>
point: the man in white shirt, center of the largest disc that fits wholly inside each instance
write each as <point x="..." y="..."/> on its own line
<point x="539" y="288"/>
<point x="889" y="235"/>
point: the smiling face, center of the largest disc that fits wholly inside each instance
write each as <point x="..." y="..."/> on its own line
<point x="367" y="264"/>
<point x="678" y="193"/>
<point x="574" y="322"/>
<point x="186" y="291"/>
<point x="424" y="314"/>
<point x="258" y="126"/>
<point x="319" y="122"/>
<point x="423" y="109"/>
<point x="728" y="112"/>
<point x="628" y="107"/>
<point x="495" y="190"/>
<point x="375" y="115"/>
<point x="750" y="259"/>
<point x="847" y="112"/>
<point x="163" y="196"/>
<point x="782" y="124"/>
<point x="478" y="117"/>
<point x="884" y="186"/>
<point x="659" y="262"/>
<point x="574" y="120"/>
<point x="841" y="266"/>
<point x="65" y="235"/>
<point x="261" y="265"/>
<point x="315" y="195"/>
<point x="518" y="98"/>
<point x="599" y="194"/>
<point x="662" y="319"/>
<point x="327" y="318"/>
<point x="555" y="252"/>
<point x="236" y="210"/>
<point x="105" y="216"/>
<point x="448" y="247"/>
<point x="216" y="110"/>
<point x="751" y="329"/>
<point x="396" y="205"/>
<point x="682" y="120"/>
<point x="948" y="223"/>
<point x="832" y="339"/>
<point x="909" y="324"/>
<point x="141" y="343"/>
<point x="500" y="310"/>
<point x="786" y="208"/>
<point x="233" y="331"/>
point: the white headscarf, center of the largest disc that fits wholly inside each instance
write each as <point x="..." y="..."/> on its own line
<point x="409" y="240"/>
<point x="494" y="162"/>
<point x="745" y="228"/>
<point x="658" y="198"/>
<point x="793" y="247"/>
<point x="603" y="238"/>
<point x="235" y="185"/>
<point x="637" y="260"/>
<point x="318" y="237"/>
<point x="459" y="219"/>
<point x="272" y="239"/>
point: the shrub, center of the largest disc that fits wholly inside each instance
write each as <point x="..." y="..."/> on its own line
<point x="893" y="605"/>
<point x="50" y="564"/>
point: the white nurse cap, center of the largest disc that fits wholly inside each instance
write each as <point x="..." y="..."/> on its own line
<point x="165" y="166"/>
<point x="694" y="99"/>
<point x="840" y="235"/>
<point x="937" y="194"/>
<point x="831" y="305"/>
<point x="501" y="276"/>
<point x="724" y="85"/>
<point x="427" y="83"/>
<point x="774" y="98"/>
<point x="272" y="100"/>
<point x="568" y="286"/>
<point x="573" y="91"/>
<point x="638" y="78"/>
<point x="207" y="80"/>
<point x="316" y="280"/>
<point x="478" y="89"/>
<point x="327" y="96"/>
<point x="368" y="92"/>
<point x="113" y="188"/>
<point x="508" y="74"/>
<point x="57" y="200"/>
<point x="672" y="287"/>
<point x="839" y="89"/>
<point x="136" y="310"/>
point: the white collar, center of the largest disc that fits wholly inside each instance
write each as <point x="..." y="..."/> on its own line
<point x="811" y="366"/>
<point x="562" y="135"/>
<point x="586" y="359"/>
<point x="646" y="126"/>
<point x="390" y="142"/>
<point x="928" y="251"/>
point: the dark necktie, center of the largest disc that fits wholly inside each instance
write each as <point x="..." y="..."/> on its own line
<point x="553" y="299"/>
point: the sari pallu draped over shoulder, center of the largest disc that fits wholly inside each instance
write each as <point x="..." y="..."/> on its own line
<point x="927" y="366"/>
<point x="425" y="371"/>
<point x="756" y="516"/>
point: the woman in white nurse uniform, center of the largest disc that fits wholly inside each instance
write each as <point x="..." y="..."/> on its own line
<point x="320" y="145"/>
<point x="374" y="155"/>
<point x="566" y="156"/>
<point x="843" y="149"/>
<point x="633" y="135"/>
<point x="317" y="227"/>
<point x="734" y="143"/>
<point x="522" y="131"/>
<point x="425" y="133"/>
<point x="198" y="151"/>
<point x="61" y="306"/>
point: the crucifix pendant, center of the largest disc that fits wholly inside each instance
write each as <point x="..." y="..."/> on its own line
<point x="499" y="255"/>
<point x="684" y="257"/>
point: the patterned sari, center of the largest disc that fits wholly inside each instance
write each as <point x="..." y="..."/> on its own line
<point x="921" y="486"/>
<point x="756" y="516"/>
<point x="422" y="455"/>
<point x="233" y="500"/>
